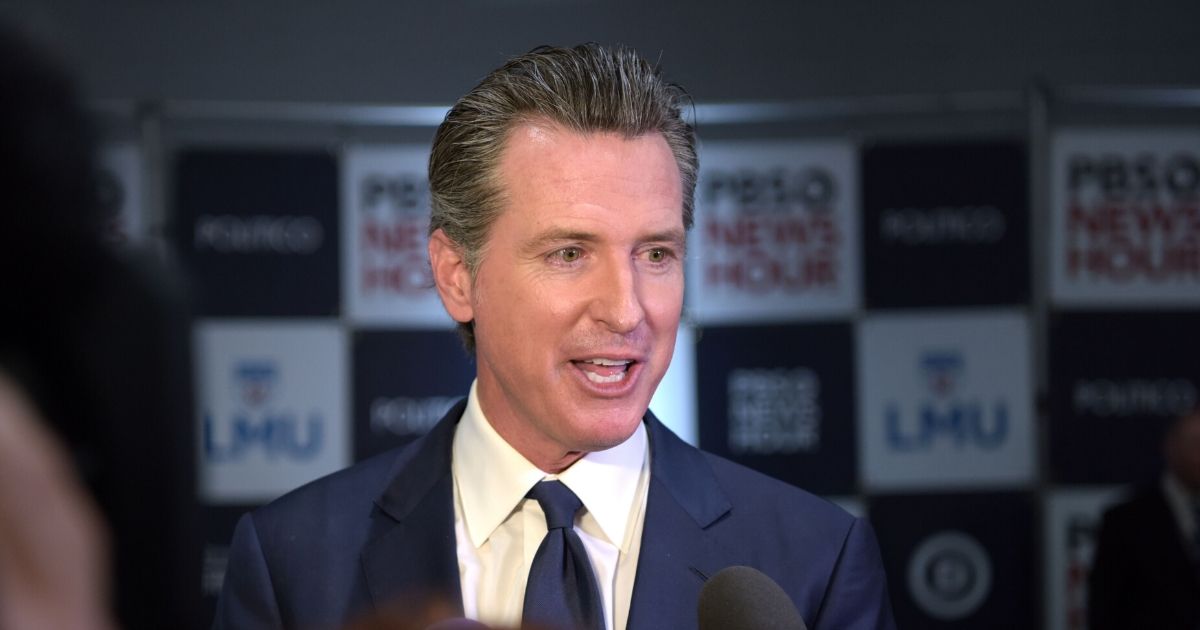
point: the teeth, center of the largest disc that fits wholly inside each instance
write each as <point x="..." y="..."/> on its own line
<point x="596" y="378"/>
<point x="609" y="362"/>
<point x="613" y="370"/>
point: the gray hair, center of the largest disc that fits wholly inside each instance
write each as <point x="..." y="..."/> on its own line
<point x="588" y="88"/>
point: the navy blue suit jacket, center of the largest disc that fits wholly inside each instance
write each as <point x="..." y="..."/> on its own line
<point x="356" y="540"/>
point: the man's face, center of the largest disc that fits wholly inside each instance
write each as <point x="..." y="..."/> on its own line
<point x="578" y="293"/>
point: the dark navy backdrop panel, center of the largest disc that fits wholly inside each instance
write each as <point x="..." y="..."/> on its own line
<point x="780" y="399"/>
<point x="1116" y="381"/>
<point x="404" y="381"/>
<point x="959" y="560"/>
<point x="257" y="231"/>
<point x="945" y="224"/>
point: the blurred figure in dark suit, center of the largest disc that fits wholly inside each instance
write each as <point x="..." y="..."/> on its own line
<point x="94" y="349"/>
<point x="1146" y="572"/>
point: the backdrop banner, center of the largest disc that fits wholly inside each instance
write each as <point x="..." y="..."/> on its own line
<point x="776" y="233"/>
<point x="1126" y="217"/>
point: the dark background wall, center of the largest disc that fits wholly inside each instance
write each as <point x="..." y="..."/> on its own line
<point x="430" y="52"/>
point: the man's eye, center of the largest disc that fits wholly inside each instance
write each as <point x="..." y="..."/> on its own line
<point x="657" y="255"/>
<point x="568" y="254"/>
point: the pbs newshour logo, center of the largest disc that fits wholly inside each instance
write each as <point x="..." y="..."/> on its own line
<point x="774" y="411"/>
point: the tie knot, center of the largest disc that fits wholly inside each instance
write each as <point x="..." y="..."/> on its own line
<point x="558" y="502"/>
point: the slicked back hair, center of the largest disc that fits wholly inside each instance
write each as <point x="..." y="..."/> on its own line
<point x="587" y="89"/>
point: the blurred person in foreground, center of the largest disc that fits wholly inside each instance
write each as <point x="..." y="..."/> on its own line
<point x="562" y="190"/>
<point x="53" y="551"/>
<point x="96" y="446"/>
<point x="1146" y="572"/>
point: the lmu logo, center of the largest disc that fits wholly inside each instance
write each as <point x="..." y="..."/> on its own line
<point x="945" y="414"/>
<point x="257" y="424"/>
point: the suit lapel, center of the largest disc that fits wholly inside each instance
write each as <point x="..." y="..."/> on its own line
<point x="412" y="552"/>
<point x="677" y="554"/>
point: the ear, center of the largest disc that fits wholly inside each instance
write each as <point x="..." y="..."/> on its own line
<point x="451" y="276"/>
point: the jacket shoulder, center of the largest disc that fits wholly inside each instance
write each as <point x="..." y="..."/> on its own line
<point x="825" y="558"/>
<point x="352" y="492"/>
<point x="338" y="502"/>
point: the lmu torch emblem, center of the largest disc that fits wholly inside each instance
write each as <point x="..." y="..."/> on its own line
<point x="256" y="381"/>
<point x="942" y="372"/>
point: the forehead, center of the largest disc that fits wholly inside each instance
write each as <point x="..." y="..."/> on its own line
<point x="547" y="159"/>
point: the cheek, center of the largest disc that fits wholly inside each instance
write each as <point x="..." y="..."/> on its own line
<point x="664" y="302"/>
<point x="555" y="304"/>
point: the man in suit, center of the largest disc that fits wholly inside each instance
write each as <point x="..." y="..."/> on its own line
<point x="1146" y="572"/>
<point x="562" y="191"/>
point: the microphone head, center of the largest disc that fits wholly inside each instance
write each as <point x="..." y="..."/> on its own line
<point x="742" y="598"/>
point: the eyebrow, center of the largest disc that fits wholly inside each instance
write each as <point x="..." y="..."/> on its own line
<point x="558" y="235"/>
<point x="675" y="237"/>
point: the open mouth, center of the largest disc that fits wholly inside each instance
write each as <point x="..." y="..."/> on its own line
<point x="605" y="370"/>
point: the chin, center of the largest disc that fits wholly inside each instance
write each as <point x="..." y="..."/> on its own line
<point x="610" y="429"/>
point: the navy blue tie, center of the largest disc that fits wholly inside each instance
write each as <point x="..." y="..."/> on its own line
<point x="561" y="591"/>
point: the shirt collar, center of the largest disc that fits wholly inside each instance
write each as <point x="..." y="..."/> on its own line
<point x="492" y="478"/>
<point x="607" y="483"/>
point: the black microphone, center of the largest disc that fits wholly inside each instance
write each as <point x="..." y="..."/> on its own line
<point x="742" y="598"/>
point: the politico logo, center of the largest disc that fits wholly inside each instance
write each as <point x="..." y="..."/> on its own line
<point x="258" y="234"/>
<point x="257" y="424"/>
<point x="949" y="575"/>
<point x="1138" y="397"/>
<point x="774" y="411"/>
<point x="945" y="414"/>
<point x="969" y="225"/>
<point x="403" y="416"/>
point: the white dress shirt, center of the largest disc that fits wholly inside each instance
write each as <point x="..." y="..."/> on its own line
<point x="498" y="530"/>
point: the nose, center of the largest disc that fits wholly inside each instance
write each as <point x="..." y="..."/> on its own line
<point x="617" y="302"/>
